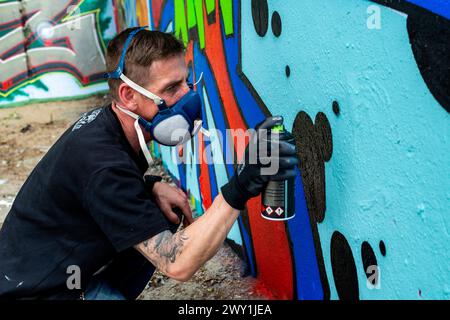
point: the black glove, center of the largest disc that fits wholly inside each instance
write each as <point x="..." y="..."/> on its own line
<point x="252" y="173"/>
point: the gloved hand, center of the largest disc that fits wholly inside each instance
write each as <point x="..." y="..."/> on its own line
<point x="252" y="173"/>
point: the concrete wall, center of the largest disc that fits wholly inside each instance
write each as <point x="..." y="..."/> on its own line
<point x="364" y="86"/>
<point x="53" y="49"/>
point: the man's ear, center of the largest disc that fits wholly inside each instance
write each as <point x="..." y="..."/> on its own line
<point x="127" y="97"/>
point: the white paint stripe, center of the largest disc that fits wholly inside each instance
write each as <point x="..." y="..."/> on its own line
<point x="12" y="4"/>
<point x="9" y="34"/>
<point x="52" y="49"/>
<point x="17" y="56"/>
<point x="97" y="41"/>
<point x="219" y="164"/>
<point x="169" y="27"/>
<point x="399" y="12"/>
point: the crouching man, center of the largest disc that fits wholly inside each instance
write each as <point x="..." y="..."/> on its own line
<point x="87" y="209"/>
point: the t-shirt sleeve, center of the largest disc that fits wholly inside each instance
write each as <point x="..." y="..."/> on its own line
<point x="122" y="207"/>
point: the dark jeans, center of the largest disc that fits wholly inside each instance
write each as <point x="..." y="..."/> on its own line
<point x="124" y="278"/>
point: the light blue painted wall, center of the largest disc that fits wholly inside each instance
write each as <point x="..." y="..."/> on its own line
<point x="388" y="177"/>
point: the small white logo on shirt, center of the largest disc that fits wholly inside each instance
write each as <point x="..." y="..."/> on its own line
<point x="74" y="280"/>
<point x="86" y="118"/>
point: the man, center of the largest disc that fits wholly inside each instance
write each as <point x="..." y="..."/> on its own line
<point x="86" y="224"/>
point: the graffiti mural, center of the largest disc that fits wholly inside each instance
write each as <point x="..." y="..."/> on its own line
<point x="53" y="49"/>
<point x="364" y="87"/>
<point x="363" y="178"/>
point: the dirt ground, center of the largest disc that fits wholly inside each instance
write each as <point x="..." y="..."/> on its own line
<point x="27" y="132"/>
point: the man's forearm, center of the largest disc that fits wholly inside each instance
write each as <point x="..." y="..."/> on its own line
<point x="181" y="254"/>
<point x="204" y="237"/>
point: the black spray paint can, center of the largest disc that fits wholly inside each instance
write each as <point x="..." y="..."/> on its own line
<point x="278" y="203"/>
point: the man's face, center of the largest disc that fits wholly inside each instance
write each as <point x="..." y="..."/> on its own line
<point x="168" y="80"/>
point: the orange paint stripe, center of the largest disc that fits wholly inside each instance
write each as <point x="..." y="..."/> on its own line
<point x="270" y="241"/>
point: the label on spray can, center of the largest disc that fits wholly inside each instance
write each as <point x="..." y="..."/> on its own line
<point x="278" y="197"/>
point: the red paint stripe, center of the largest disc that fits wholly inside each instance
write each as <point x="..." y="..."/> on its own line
<point x="270" y="241"/>
<point x="12" y="24"/>
<point x="204" y="179"/>
<point x="116" y="16"/>
<point x="272" y="252"/>
<point x="215" y="52"/>
<point x="156" y="11"/>
<point x="5" y="54"/>
<point x="76" y="74"/>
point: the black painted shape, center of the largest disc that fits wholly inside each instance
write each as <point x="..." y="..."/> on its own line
<point x="211" y="17"/>
<point x="323" y="133"/>
<point x="276" y="24"/>
<point x="369" y="261"/>
<point x="314" y="147"/>
<point x="344" y="268"/>
<point x="288" y="71"/>
<point x="382" y="248"/>
<point x="399" y="5"/>
<point x="429" y="36"/>
<point x="260" y="15"/>
<point x="336" y="108"/>
<point x="193" y="33"/>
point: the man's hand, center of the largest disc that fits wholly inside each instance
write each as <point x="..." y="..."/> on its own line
<point x="168" y="198"/>
<point x="250" y="178"/>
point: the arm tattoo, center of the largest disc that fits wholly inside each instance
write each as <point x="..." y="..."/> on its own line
<point x="165" y="247"/>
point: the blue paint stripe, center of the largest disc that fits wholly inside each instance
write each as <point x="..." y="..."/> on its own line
<point x="307" y="272"/>
<point x="150" y="15"/>
<point x="201" y="65"/>
<point x="182" y="174"/>
<point x="309" y="286"/>
<point x="441" y="7"/>
<point x="167" y="17"/>
<point x="248" y="247"/>
<point x="250" y="110"/>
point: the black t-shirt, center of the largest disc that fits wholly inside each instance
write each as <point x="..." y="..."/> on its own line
<point x="84" y="203"/>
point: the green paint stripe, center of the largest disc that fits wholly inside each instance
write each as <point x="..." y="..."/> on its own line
<point x="210" y="6"/>
<point x="191" y="18"/>
<point x="190" y="14"/>
<point x="200" y="23"/>
<point x="226" y="7"/>
<point x="181" y="31"/>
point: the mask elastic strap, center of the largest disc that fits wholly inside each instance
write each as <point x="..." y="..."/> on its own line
<point x="158" y="101"/>
<point x="198" y="123"/>
<point x="128" y="112"/>
<point x="144" y="147"/>
<point x="199" y="79"/>
<point x="139" y="133"/>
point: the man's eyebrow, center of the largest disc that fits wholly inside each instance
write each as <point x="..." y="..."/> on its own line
<point x="174" y="82"/>
<point x="171" y="83"/>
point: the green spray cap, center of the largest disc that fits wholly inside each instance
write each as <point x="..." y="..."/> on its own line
<point x="278" y="128"/>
